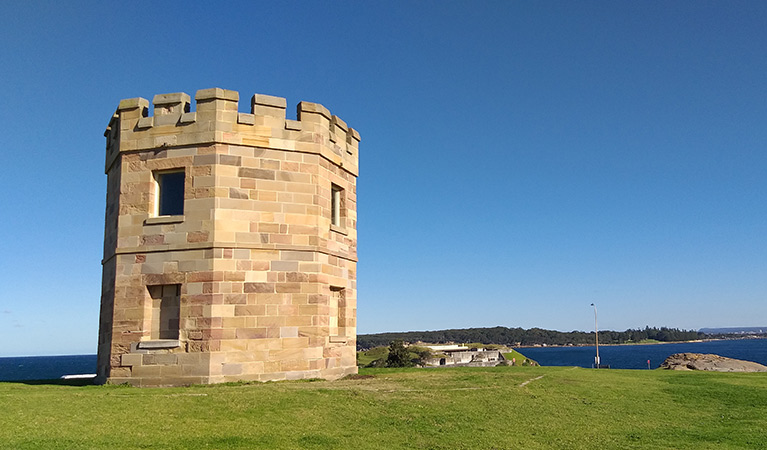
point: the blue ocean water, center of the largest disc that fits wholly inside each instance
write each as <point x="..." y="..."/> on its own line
<point x="617" y="356"/>
<point x="636" y="356"/>
<point x="45" y="367"/>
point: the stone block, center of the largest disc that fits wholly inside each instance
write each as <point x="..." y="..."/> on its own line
<point x="268" y="100"/>
<point x="247" y="119"/>
<point x="120" y="372"/>
<point x="189" y="117"/>
<point x="145" y="122"/>
<point x="195" y="370"/>
<point x="271" y="376"/>
<point x="133" y="103"/>
<point x="251" y="333"/>
<point x="249" y="310"/>
<point x="261" y="288"/>
<point x="235" y="299"/>
<point x="300" y="375"/>
<point x="288" y="287"/>
<point x="296" y="256"/>
<point x="309" y="108"/>
<point x="271" y="321"/>
<point x="217" y="94"/>
<point x="261" y="174"/>
<point x="131" y="359"/>
<point x="160" y="359"/>
<point x="147" y="371"/>
<point x="288" y="332"/>
<point x="294" y="365"/>
<point x="286" y="266"/>
<point x="295" y="343"/>
<point x="231" y="369"/>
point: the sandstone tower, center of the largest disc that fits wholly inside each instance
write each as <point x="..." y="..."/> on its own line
<point x="230" y="244"/>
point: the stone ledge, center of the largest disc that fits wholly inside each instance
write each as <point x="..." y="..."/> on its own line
<point x="159" y="343"/>
<point x="163" y="220"/>
<point x="222" y="244"/>
<point x="339" y="229"/>
<point x="132" y="143"/>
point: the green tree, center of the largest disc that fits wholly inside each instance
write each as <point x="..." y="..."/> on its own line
<point x="399" y="356"/>
<point x="419" y="355"/>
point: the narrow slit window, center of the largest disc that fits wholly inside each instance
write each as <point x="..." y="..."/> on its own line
<point x="337" y="311"/>
<point x="170" y="193"/>
<point x="336" y="205"/>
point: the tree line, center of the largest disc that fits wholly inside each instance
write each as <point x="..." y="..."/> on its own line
<point x="534" y="336"/>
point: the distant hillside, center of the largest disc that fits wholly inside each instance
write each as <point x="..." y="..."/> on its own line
<point x="534" y="336"/>
<point x="735" y="330"/>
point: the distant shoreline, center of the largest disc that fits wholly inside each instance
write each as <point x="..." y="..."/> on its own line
<point x="640" y="343"/>
<point x="637" y="356"/>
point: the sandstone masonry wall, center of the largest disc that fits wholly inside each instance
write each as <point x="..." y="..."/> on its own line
<point x="266" y="279"/>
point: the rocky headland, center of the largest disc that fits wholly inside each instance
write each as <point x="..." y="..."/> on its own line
<point x="716" y="363"/>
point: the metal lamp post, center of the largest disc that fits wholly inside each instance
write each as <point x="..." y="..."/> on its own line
<point x="596" y="334"/>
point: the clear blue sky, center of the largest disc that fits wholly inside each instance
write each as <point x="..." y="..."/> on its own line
<point x="519" y="160"/>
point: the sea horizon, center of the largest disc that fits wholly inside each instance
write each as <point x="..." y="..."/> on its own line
<point x="617" y="356"/>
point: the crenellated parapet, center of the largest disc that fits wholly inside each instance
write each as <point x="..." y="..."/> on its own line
<point x="216" y="120"/>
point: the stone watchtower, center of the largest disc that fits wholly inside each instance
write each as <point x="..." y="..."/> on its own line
<point x="230" y="244"/>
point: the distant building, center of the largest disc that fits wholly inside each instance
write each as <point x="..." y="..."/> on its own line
<point x="446" y="347"/>
<point x="458" y="355"/>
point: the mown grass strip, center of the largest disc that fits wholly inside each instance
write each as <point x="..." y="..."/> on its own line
<point x="448" y="408"/>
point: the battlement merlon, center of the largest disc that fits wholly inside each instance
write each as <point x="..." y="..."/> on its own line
<point x="217" y="120"/>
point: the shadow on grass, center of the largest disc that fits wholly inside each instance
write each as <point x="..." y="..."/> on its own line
<point x="55" y="382"/>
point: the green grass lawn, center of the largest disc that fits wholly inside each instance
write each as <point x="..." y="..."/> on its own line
<point x="517" y="358"/>
<point x="368" y="356"/>
<point x="444" y="408"/>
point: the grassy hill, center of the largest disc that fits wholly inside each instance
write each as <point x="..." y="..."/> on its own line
<point x="518" y="359"/>
<point x="365" y="357"/>
<point x="447" y="408"/>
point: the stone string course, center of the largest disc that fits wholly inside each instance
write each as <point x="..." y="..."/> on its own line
<point x="259" y="264"/>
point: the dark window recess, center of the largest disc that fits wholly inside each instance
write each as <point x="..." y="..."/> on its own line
<point x="171" y="187"/>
